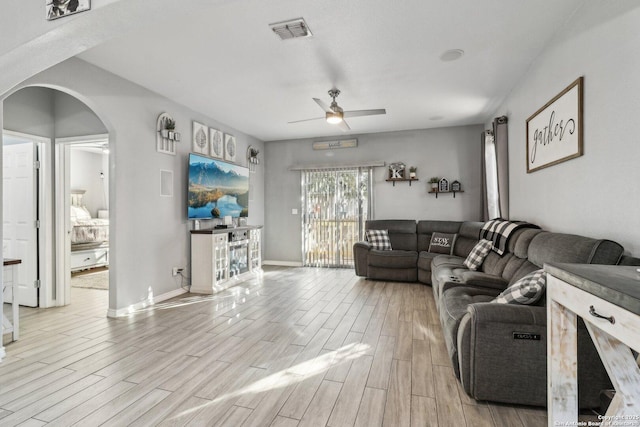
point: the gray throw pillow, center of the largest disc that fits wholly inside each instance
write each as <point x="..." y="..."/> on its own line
<point x="442" y="243"/>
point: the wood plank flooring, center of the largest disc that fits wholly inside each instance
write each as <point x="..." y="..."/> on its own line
<point x="299" y="347"/>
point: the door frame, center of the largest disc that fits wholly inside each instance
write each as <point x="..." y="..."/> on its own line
<point x="44" y="213"/>
<point x="62" y="190"/>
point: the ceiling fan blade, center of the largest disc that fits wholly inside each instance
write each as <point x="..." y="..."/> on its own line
<point x="307" y="120"/>
<point x="323" y="105"/>
<point x="344" y="127"/>
<point x="358" y="113"/>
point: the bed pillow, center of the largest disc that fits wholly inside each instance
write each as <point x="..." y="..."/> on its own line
<point x="527" y="290"/>
<point x="478" y="254"/>
<point x="442" y="243"/>
<point x="379" y="239"/>
<point x="79" y="212"/>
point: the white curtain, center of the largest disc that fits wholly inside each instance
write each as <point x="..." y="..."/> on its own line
<point x="495" y="170"/>
<point x="335" y="205"/>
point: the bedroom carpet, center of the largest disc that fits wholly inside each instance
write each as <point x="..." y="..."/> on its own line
<point x="92" y="280"/>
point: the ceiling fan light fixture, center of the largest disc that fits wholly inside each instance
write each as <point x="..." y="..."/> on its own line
<point x="334" y="117"/>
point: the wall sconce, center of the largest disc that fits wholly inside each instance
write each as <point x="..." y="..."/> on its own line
<point x="167" y="136"/>
<point x="252" y="158"/>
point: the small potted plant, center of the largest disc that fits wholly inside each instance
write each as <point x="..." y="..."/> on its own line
<point x="434" y="183"/>
<point x="412" y="172"/>
<point x="169" y="128"/>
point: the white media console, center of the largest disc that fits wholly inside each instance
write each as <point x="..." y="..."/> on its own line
<point x="221" y="258"/>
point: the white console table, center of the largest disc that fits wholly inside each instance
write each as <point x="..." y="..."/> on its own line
<point x="221" y="258"/>
<point x="608" y="300"/>
<point x="9" y="288"/>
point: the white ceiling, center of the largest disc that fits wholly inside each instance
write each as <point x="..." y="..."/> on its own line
<point x="223" y="60"/>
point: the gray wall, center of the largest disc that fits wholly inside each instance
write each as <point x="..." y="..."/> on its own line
<point x="450" y="152"/>
<point x="50" y="113"/>
<point x="73" y="118"/>
<point x="149" y="233"/>
<point x="31" y="111"/>
<point x="596" y="194"/>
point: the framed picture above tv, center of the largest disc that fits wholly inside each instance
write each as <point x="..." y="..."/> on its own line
<point x="216" y="188"/>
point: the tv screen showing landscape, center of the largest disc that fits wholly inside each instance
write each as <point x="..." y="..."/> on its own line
<point x="217" y="189"/>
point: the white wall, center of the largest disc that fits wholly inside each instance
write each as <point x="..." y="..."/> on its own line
<point x="149" y="233"/>
<point x="85" y="175"/>
<point x="596" y="194"/>
<point x="452" y="152"/>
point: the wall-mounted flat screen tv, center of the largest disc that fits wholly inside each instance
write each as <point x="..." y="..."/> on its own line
<point x="217" y="189"/>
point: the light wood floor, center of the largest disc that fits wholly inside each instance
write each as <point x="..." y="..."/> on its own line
<point x="301" y="347"/>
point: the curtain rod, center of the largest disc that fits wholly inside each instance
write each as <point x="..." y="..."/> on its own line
<point x="333" y="166"/>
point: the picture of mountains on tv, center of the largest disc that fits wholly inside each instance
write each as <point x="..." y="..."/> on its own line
<point x="217" y="189"/>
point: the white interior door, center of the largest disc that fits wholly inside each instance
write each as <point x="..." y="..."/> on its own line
<point x="19" y="212"/>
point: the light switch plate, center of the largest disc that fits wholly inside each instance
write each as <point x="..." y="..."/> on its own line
<point x="294" y="211"/>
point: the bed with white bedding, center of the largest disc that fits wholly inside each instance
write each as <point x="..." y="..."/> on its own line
<point x="89" y="236"/>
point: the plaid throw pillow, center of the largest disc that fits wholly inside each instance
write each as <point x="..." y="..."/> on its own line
<point x="442" y="243"/>
<point x="379" y="239"/>
<point x="527" y="290"/>
<point x="478" y="254"/>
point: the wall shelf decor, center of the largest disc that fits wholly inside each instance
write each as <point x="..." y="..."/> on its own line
<point x="396" y="171"/>
<point x="409" y="180"/>
<point x="166" y="136"/>
<point x="252" y="158"/>
<point x="444" y="187"/>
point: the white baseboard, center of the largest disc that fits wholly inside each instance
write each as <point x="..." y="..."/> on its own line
<point x="144" y="304"/>
<point x="282" y="263"/>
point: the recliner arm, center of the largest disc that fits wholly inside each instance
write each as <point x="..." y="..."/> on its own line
<point x="360" y="255"/>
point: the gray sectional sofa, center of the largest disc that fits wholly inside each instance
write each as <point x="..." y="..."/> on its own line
<point x="498" y="351"/>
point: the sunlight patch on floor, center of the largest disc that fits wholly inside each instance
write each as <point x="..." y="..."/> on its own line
<point x="291" y="375"/>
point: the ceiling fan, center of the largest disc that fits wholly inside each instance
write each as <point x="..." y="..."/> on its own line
<point x="336" y="115"/>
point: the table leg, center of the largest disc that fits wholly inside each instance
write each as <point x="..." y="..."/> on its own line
<point x="562" y="359"/>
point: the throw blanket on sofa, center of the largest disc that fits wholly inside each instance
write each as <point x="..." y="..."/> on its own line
<point x="499" y="231"/>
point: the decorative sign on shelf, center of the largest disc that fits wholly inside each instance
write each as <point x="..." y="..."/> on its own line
<point x="443" y="185"/>
<point x="396" y="170"/>
<point x="554" y="132"/>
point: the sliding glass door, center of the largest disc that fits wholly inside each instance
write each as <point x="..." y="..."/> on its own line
<point x="335" y="205"/>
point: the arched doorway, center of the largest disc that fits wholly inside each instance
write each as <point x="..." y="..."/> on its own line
<point x="59" y="118"/>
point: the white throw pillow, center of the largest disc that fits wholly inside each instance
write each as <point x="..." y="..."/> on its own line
<point x="379" y="239"/>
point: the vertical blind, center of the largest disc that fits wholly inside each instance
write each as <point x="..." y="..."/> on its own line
<point x="335" y="205"/>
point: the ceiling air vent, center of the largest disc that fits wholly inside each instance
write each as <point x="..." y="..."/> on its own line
<point x="291" y="29"/>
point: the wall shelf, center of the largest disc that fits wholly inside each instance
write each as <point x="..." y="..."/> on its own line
<point x="444" y="192"/>
<point x="409" y="180"/>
